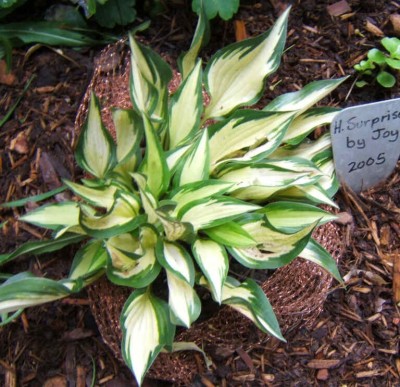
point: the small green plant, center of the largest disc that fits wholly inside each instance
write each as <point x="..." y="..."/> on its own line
<point x="380" y="65"/>
<point x="187" y="188"/>
<point x="224" y="8"/>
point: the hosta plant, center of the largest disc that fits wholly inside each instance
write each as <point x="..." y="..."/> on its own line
<point x="187" y="187"/>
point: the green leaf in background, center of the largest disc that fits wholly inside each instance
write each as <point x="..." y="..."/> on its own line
<point x="8" y="6"/>
<point x="51" y="33"/>
<point x="377" y="56"/>
<point x="392" y="45"/>
<point x="8" y="3"/>
<point x="115" y="12"/>
<point x="66" y="14"/>
<point x="393" y="63"/>
<point x="224" y="8"/>
<point x="386" y="79"/>
<point x="33" y="199"/>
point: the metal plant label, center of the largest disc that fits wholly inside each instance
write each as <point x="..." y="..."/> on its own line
<point x="366" y="143"/>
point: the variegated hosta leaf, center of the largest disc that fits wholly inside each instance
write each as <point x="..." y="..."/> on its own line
<point x="313" y="193"/>
<point x="207" y="213"/>
<point x="314" y="252"/>
<point x="148" y="82"/>
<point x="235" y="75"/>
<point x="230" y="234"/>
<point x="308" y="150"/>
<point x="305" y="98"/>
<point x="154" y="165"/>
<point x="149" y="202"/>
<point x="213" y="261"/>
<point x="6" y="318"/>
<point x="249" y="299"/>
<point x="290" y="217"/>
<point x="187" y="61"/>
<point x="133" y="262"/>
<point x="146" y="330"/>
<point x="186" y="108"/>
<point x="88" y="260"/>
<point x="306" y="122"/>
<point x="254" y="155"/>
<point x="328" y="182"/>
<point x="260" y="181"/>
<point x="123" y="217"/>
<point x="24" y="290"/>
<point x="128" y="128"/>
<point x="95" y="151"/>
<point x="190" y="346"/>
<point x="41" y="247"/>
<point x="98" y="197"/>
<point x="54" y="216"/>
<point x="195" y="165"/>
<point x="175" y="155"/>
<point x="183" y="301"/>
<point x="197" y="191"/>
<point x="232" y="137"/>
<point x="274" y="249"/>
<point x="173" y="257"/>
<point x="175" y="230"/>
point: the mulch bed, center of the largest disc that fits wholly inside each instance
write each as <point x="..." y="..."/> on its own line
<point x="355" y="341"/>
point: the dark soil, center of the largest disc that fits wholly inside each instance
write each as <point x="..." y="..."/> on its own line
<point x="354" y="342"/>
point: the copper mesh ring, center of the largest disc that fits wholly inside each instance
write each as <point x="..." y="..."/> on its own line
<point x="297" y="291"/>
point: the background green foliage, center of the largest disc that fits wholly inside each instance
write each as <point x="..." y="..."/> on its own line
<point x="380" y="65"/>
<point x="224" y="8"/>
